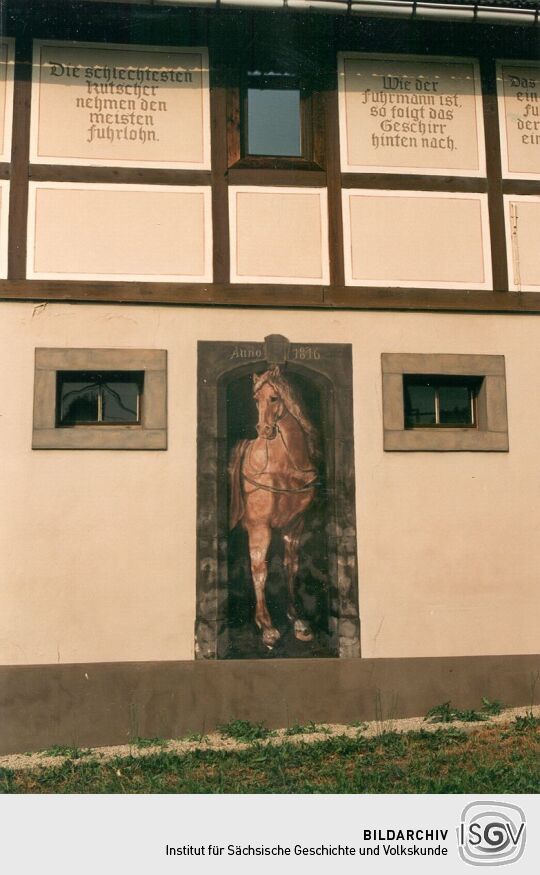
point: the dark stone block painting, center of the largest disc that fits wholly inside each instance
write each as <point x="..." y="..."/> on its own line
<point x="276" y="570"/>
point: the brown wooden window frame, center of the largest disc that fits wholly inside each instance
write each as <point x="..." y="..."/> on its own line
<point x="311" y="120"/>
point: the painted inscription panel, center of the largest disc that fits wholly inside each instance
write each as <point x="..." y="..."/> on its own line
<point x="518" y="85"/>
<point x="120" y="105"/>
<point x="410" y="239"/>
<point x="522" y="216"/>
<point x="411" y="114"/>
<point x="7" y="60"/>
<point x="113" y="232"/>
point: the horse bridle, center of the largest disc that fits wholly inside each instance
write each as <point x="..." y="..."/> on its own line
<point x="277" y="489"/>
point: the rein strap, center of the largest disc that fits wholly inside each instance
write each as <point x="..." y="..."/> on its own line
<point x="266" y="488"/>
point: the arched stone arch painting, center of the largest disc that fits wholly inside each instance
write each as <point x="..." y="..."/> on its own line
<point x="276" y="551"/>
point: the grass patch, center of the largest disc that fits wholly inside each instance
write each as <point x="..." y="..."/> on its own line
<point x="142" y="743"/>
<point x="525" y="722"/>
<point x="308" y="729"/>
<point x="361" y="725"/>
<point x="447" y="760"/>
<point x="446" y="713"/>
<point x="243" y="730"/>
<point x="491" y="707"/>
<point x="59" y="750"/>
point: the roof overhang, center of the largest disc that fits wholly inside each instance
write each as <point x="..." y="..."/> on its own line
<point x="469" y="11"/>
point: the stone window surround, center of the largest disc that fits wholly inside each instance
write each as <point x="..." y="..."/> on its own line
<point x="150" y="434"/>
<point x="491" y="434"/>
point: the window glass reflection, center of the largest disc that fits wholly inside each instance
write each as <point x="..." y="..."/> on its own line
<point x="455" y="405"/>
<point x="120" y="402"/>
<point x="96" y="398"/>
<point x="440" y="401"/>
<point x="419" y="404"/>
<point x="79" y="402"/>
<point x="274" y="121"/>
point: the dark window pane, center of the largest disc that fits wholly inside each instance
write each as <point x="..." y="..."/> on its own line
<point x="78" y="402"/>
<point x="120" y="401"/>
<point x="274" y="126"/>
<point x="455" y="405"/>
<point x="419" y="404"/>
<point x="98" y="397"/>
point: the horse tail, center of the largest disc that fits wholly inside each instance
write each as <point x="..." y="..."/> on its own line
<point x="236" y="508"/>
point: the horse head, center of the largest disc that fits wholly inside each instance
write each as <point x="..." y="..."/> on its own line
<point x="270" y="405"/>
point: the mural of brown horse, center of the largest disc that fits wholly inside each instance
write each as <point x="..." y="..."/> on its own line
<point x="273" y="480"/>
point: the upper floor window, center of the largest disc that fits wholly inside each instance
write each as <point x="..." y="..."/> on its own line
<point x="272" y="116"/>
<point x="275" y="122"/>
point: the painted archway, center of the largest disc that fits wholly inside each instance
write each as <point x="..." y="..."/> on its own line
<point x="321" y="375"/>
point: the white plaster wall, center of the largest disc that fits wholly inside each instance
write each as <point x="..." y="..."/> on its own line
<point x="98" y="547"/>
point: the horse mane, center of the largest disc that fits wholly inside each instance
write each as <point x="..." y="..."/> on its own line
<point x="294" y="407"/>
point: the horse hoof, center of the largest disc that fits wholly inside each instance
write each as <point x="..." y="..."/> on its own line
<point x="302" y="631"/>
<point x="270" y="637"/>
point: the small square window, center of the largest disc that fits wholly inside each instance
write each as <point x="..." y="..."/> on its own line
<point x="274" y="122"/>
<point x="444" y="402"/>
<point x="439" y="401"/>
<point x="272" y="116"/>
<point x="98" y="397"/>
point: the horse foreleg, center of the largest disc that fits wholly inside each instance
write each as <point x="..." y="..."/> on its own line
<point x="259" y="542"/>
<point x="291" y="541"/>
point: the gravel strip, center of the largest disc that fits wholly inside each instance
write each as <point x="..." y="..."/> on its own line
<point x="216" y="741"/>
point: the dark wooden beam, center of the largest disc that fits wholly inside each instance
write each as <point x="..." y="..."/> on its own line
<point x="499" y="261"/>
<point x="20" y="149"/>
<point x="296" y="178"/>
<point x="333" y="173"/>
<point x="134" y="175"/>
<point x="220" y="191"/>
<point x="275" y="296"/>
<point x="413" y="182"/>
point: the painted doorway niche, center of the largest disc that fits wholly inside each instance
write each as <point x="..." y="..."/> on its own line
<point x="321" y="375"/>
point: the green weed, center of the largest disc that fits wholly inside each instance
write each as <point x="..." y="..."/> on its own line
<point x="491" y="707"/>
<point x="439" y="737"/>
<point x="307" y="729"/>
<point x="142" y="743"/>
<point x="525" y="722"/>
<point x="59" y="750"/>
<point x="243" y="730"/>
<point x="445" y="713"/>
<point x="469" y="715"/>
<point x="196" y="736"/>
